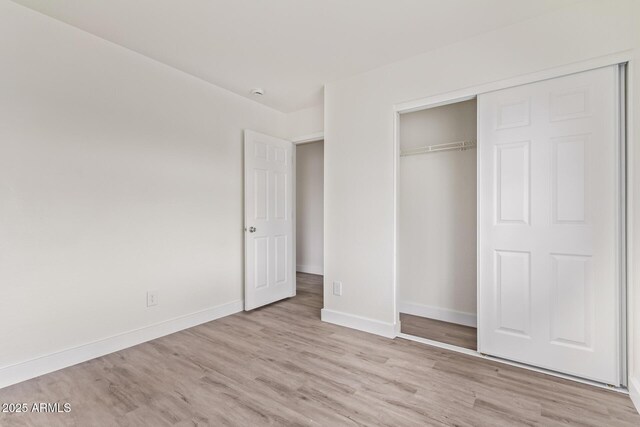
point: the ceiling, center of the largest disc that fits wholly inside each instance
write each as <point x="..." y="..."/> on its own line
<point x="290" y="48"/>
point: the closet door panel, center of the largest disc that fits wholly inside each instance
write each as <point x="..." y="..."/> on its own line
<point x="549" y="291"/>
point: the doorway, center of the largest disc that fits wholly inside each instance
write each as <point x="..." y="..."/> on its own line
<point x="283" y="225"/>
<point x="309" y="222"/>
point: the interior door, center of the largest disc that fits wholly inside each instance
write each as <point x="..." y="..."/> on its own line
<point x="268" y="213"/>
<point x="549" y="206"/>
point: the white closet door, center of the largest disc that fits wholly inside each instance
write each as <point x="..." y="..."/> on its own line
<point x="549" y="221"/>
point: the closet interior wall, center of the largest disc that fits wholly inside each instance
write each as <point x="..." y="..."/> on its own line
<point x="437" y="215"/>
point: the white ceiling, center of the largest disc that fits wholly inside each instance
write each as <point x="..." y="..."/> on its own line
<point x="288" y="47"/>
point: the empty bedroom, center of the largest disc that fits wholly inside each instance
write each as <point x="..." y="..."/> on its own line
<point x="319" y="212"/>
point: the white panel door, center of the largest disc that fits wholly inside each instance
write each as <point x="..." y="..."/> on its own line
<point x="549" y="291"/>
<point x="268" y="219"/>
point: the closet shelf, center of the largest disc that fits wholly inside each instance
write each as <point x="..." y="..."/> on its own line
<point x="458" y="145"/>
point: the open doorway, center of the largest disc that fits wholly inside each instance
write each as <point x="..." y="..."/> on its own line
<point x="310" y="223"/>
<point x="283" y="225"/>
<point x="437" y="224"/>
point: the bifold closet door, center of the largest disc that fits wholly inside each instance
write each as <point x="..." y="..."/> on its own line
<point x="549" y="206"/>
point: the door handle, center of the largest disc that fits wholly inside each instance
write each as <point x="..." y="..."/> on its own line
<point x="252" y="229"/>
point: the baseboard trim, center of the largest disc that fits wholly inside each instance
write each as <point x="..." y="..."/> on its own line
<point x="23" y="371"/>
<point x="437" y="313"/>
<point x="634" y="392"/>
<point x="310" y="269"/>
<point x="365" y="324"/>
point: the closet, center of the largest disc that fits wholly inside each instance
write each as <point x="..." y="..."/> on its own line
<point x="437" y="224"/>
<point x="511" y="224"/>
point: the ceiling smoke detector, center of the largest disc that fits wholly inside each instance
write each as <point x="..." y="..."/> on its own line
<point x="257" y="91"/>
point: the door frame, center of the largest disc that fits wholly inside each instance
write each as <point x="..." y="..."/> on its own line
<point x="626" y="201"/>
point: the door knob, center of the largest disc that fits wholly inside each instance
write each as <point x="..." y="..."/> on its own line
<point x="252" y="229"/>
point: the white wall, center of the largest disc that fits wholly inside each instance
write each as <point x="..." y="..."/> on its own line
<point x="306" y="122"/>
<point x="359" y="134"/>
<point x="309" y="207"/>
<point x="117" y="175"/>
<point x="437" y="216"/>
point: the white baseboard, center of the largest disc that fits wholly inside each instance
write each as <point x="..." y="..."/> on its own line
<point x="45" y="364"/>
<point x="634" y="391"/>
<point x="388" y="330"/>
<point x="437" y="313"/>
<point x="311" y="269"/>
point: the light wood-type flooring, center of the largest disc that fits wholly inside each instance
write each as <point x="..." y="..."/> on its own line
<point x="436" y="330"/>
<point x="280" y="365"/>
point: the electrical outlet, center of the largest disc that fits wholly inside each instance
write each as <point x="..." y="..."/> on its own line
<point x="337" y="288"/>
<point x="152" y="298"/>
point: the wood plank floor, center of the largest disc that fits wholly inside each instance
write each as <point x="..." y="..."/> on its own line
<point x="436" y="330"/>
<point x="280" y="365"/>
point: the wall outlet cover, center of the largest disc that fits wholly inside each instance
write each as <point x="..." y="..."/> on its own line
<point x="152" y="298"/>
<point x="337" y="288"/>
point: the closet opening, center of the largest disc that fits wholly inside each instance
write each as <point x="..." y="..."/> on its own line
<point x="437" y="224"/>
<point x="531" y="224"/>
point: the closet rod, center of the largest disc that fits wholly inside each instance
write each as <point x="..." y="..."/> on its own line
<point x="458" y="145"/>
